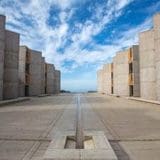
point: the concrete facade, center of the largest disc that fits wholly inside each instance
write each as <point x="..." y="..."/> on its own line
<point x="49" y="78"/>
<point x="147" y="65"/>
<point x="121" y="72"/>
<point x="35" y="76"/>
<point x="126" y="72"/>
<point x="35" y="73"/>
<point x="157" y="52"/>
<point x="57" y="82"/>
<point x="107" y="78"/>
<point x="2" y="49"/>
<point x="31" y="72"/>
<point x="9" y="55"/>
<point x="134" y="71"/>
<point x="122" y="76"/>
<point x="42" y="75"/>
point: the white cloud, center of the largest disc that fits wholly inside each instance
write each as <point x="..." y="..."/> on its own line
<point x="49" y="39"/>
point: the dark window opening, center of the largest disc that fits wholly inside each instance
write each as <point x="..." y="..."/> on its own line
<point x="131" y="90"/>
<point x="112" y="90"/>
<point x="130" y="67"/>
<point x="27" y="68"/>
<point x="26" y="90"/>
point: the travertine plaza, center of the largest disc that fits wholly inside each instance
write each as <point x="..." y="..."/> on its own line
<point x="135" y="71"/>
<point x="23" y="71"/>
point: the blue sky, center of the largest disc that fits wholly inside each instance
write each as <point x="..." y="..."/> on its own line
<point x="79" y="36"/>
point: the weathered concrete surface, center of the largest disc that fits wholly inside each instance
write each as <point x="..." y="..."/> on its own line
<point x="147" y="65"/>
<point x="136" y="70"/>
<point x="107" y="78"/>
<point x="157" y="53"/>
<point x="2" y="49"/>
<point x="35" y="72"/>
<point x="101" y="150"/>
<point x="121" y="72"/>
<point x="11" y="57"/>
<point x="57" y="81"/>
<point x="42" y="75"/>
<point x="131" y="127"/>
<point x="22" y="70"/>
<point x="50" y="78"/>
<point x="11" y="101"/>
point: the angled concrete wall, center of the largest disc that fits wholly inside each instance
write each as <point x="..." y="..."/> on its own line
<point x="50" y="78"/>
<point x="35" y="72"/>
<point x="57" y="81"/>
<point x="42" y="75"/>
<point x="11" y="58"/>
<point x="107" y="80"/>
<point x="21" y="70"/>
<point x="2" y="49"/>
<point x="136" y="71"/>
<point x="121" y="72"/>
<point x="157" y="52"/>
<point x="147" y="65"/>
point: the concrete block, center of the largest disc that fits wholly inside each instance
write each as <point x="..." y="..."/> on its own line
<point x="11" y="58"/>
<point x="148" y="90"/>
<point x="51" y="79"/>
<point x="147" y="58"/>
<point x="102" y="150"/>
<point x="35" y="72"/>
<point x="148" y="75"/>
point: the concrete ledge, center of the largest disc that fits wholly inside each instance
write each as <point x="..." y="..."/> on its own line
<point x="44" y="95"/>
<point x="143" y="100"/>
<point x="115" y="95"/>
<point x="102" y="150"/>
<point x="11" y="101"/>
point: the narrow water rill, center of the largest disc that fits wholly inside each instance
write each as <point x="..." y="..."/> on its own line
<point x="80" y="144"/>
<point x="79" y="126"/>
<point x="79" y="141"/>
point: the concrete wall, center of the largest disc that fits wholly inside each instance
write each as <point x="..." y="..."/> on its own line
<point x="21" y="74"/>
<point x="35" y="72"/>
<point x="157" y="53"/>
<point x="121" y="72"/>
<point x="50" y="78"/>
<point x="2" y="45"/>
<point x="107" y="79"/>
<point x="100" y="86"/>
<point x="136" y="71"/>
<point x="42" y="75"/>
<point x="11" y="57"/>
<point x="147" y="65"/>
<point x="57" y="81"/>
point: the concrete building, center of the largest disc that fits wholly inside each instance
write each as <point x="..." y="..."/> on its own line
<point x="108" y="78"/>
<point x="157" y="53"/>
<point x="122" y="76"/>
<point x="31" y="72"/>
<point x="57" y="82"/>
<point x="121" y="72"/>
<point x="147" y="65"/>
<point x="126" y="72"/>
<point x="43" y="70"/>
<point x="2" y="49"/>
<point x="35" y="76"/>
<point x="9" y="56"/>
<point x="49" y="79"/>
